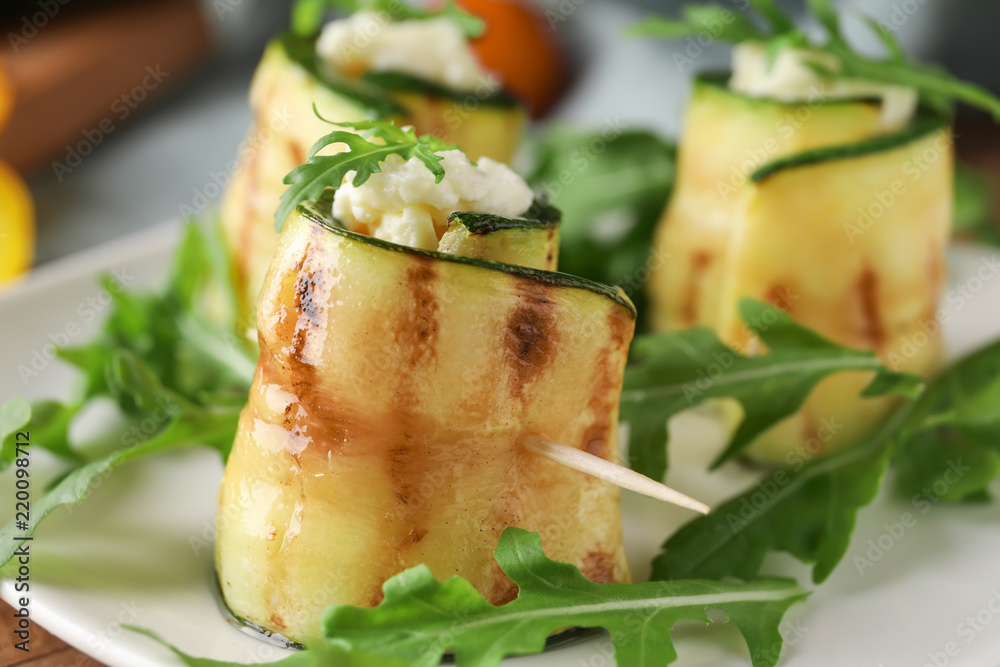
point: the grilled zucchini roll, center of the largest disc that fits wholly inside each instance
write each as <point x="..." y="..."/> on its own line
<point x="462" y="105"/>
<point x="831" y="201"/>
<point x="395" y="386"/>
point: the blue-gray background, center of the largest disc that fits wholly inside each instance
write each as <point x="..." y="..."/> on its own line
<point x="164" y="159"/>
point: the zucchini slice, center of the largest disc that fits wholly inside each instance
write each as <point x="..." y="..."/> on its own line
<point x="383" y="426"/>
<point x="289" y="81"/>
<point x="843" y="226"/>
<point x="523" y="242"/>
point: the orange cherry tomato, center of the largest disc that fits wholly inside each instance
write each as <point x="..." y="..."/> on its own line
<point x="523" y="49"/>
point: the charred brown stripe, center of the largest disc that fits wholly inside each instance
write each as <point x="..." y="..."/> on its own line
<point x="780" y="297"/>
<point x="810" y="435"/>
<point x="504" y="590"/>
<point x="316" y="415"/>
<point x="599" y="567"/>
<point x="298" y="153"/>
<point x="530" y="337"/>
<point x="607" y="386"/>
<point x="873" y="328"/>
<point x="700" y="261"/>
<point x="419" y="326"/>
<point x="410" y="460"/>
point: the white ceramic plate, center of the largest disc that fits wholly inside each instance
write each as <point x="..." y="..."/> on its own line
<point x="138" y="550"/>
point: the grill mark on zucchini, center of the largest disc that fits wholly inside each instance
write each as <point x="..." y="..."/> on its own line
<point x="313" y="405"/>
<point x="598" y="567"/>
<point x="780" y="298"/>
<point x="810" y="434"/>
<point x="597" y="436"/>
<point x="700" y="262"/>
<point x="530" y="337"/>
<point x="874" y="329"/>
<point x="422" y="320"/>
<point x="504" y="590"/>
<point x="298" y="153"/>
<point x="409" y="460"/>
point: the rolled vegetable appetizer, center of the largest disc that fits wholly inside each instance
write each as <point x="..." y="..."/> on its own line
<point x="808" y="179"/>
<point x="414" y="68"/>
<point x="408" y="353"/>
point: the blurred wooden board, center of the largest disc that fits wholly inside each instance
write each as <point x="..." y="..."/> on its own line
<point x="46" y="649"/>
<point x="81" y="76"/>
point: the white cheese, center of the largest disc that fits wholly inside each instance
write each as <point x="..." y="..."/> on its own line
<point x="435" y="50"/>
<point x="790" y="79"/>
<point x="403" y="204"/>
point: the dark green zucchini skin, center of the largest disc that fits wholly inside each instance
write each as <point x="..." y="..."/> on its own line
<point x="374" y="90"/>
<point x="399" y="82"/>
<point x="924" y="125"/>
<point x="309" y="211"/>
<point x="487" y="223"/>
<point x="528" y="242"/>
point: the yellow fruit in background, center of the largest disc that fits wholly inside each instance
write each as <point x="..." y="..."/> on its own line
<point x="17" y="211"/>
<point x="17" y="224"/>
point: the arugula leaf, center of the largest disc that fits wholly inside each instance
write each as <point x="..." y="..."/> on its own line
<point x="164" y="361"/>
<point x="420" y="619"/>
<point x="937" y="88"/>
<point x="307" y="15"/>
<point x="196" y="428"/>
<point x="777" y="20"/>
<point x="949" y="449"/>
<point x="611" y="186"/>
<point x="723" y="23"/>
<point x="672" y="372"/>
<point x="808" y="511"/>
<point x="309" y="181"/>
<point x="14" y="416"/>
<point x="974" y="216"/>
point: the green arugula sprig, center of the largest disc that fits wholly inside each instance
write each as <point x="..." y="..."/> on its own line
<point x="808" y="510"/>
<point x="420" y="619"/>
<point x="612" y="204"/>
<point x="945" y="448"/>
<point x="949" y="448"/>
<point x="937" y="89"/>
<point x="161" y="363"/>
<point x="307" y="15"/>
<point x="673" y="372"/>
<point x="975" y="219"/>
<point x="310" y="180"/>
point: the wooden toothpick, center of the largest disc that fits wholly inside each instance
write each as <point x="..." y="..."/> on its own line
<point x="618" y="475"/>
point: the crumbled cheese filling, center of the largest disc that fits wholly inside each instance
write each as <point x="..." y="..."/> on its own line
<point x="435" y="50"/>
<point x="790" y="79"/>
<point x="403" y="204"/>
